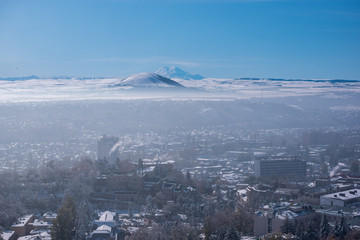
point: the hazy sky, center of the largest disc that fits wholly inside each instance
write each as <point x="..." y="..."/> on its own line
<point x="215" y="38"/>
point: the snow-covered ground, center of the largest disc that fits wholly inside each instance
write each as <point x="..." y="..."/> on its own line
<point x="59" y="89"/>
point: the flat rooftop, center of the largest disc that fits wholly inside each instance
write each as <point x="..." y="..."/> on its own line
<point x="21" y="221"/>
<point x="344" y="195"/>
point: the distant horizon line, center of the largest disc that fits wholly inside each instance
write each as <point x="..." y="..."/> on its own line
<point x="29" y="77"/>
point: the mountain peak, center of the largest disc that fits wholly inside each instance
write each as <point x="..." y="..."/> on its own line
<point x="176" y="72"/>
<point x="147" y="80"/>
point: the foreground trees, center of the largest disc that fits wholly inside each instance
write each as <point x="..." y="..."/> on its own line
<point x="311" y="231"/>
<point x="64" y="223"/>
<point x="178" y="231"/>
<point x="228" y="224"/>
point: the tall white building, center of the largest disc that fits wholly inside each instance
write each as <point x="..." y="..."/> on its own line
<point x="105" y="148"/>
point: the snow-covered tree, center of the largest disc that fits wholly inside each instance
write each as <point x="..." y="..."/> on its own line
<point x="149" y="207"/>
<point x="288" y="226"/>
<point x="84" y="218"/>
<point x="344" y="227"/>
<point x="336" y="230"/>
<point x="325" y="228"/>
<point x="301" y="233"/>
<point x="312" y="232"/>
<point x="232" y="234"/>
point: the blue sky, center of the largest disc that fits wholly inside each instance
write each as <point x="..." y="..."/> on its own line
<point x="215" y="38"/>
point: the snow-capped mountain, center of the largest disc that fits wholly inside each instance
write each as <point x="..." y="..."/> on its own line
<point x="34" y="88"/>
<point x="175" y="72"/>
<point x="147" y="80"/>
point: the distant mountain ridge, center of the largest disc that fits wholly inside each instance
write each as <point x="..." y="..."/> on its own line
<point x="20" y="78"/>
<point x="298" y="80"/>
<point x="34" y="77"/>
<point x="175" y="72"/>
<point x="147" y="80"/>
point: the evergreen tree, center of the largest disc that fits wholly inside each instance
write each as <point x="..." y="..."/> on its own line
<point x="84" y="218"/>
<point x="149" y="208"/>
<point x="288" y="226"/>
<point x="207" y="227"/>
<point x="325" y="228"/>
<point x="312" y="232"/>
<point x="344" y="228"/>
<point x="218" y="191"/>
<point x="141" y="166"/>
<point x="188" y="177"/>
<point x="221" y="232"/>
<point x="301" y="234"/>
<point x="232" y="234"/>
<point x="353" y="234"/>
<point x="336" y="230"/>
<point x="65" y="221"/>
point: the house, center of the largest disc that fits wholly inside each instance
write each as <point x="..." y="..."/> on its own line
<point x="106" y="218"/>
<point x="8" y="235"/>
<point x="40" y="236"/>
<point x="22" y="225"/>
<point x="40" y="224"/>
<point x="103" y="232"/>
<point x="49" y="217"/>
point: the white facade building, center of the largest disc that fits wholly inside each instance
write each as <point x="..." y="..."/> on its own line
<point x="341" y="199"/>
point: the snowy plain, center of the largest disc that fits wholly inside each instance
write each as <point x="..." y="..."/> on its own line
<point x="68" y="89"/>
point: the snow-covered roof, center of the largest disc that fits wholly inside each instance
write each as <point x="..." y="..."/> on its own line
<point x="39" y="223"/>
<point x="100" y="232"/>
<point x="42" y="236"/>
<point x="132" y="229"/>
<point x="50" y="215"/>
<point x="344" y="195"/>
<point x="7" y="234"/>
<point x="104" y="228"/>
<point x="107" y="216"/>
<point x="21" y="221"/>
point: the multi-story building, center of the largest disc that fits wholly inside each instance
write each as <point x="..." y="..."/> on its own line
<point x="280" y="166"/>
<point x="321" y="138"/>
<point x="106" y="148"/>
<point x="271" y="219"/>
